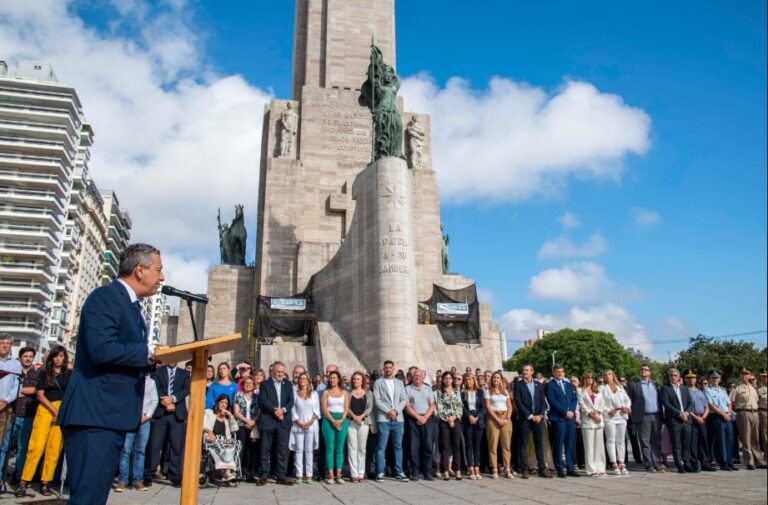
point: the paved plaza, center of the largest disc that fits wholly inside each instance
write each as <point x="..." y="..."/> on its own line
<point x="638" y="488"/>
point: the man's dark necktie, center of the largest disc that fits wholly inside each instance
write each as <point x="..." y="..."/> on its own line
<point x="140" y="319"/>
<point x="171" y="375"/>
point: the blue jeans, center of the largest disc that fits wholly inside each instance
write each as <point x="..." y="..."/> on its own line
<point x="22" y="426"/>
<point x="135" y="443"/>
<point x="396" y="430"/>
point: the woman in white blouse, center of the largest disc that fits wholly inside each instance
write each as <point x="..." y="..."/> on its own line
<point x="219" y="428"/>
<point x="304" y="438"/>
<point x="617" y="406"/>
<point x="591" y="406"/>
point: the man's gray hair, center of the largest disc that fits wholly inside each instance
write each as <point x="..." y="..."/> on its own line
<point x="672" y="371"/>
<point x="135" y="255"/>
<point x="6" y="336"/>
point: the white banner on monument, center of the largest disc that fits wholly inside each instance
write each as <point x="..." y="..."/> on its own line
<point x="288" y="304"/>
<point x="461" y="309"/>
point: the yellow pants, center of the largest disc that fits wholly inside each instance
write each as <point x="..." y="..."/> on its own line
<point x="46" y="436"/>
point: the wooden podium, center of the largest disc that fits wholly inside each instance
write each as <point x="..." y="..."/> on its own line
<point x="198" y="353"/>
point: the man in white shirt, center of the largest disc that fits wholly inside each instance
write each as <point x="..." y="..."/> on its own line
<point x="136" y="443"/>
<point x="9" y="385"/>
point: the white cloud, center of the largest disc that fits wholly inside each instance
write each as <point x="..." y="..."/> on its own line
<point x="172" y="139"/>
<point x="575" y="283"/>
<point x="569" y="220"/>
<point x="563" y="247"/>
<point x="514" y="141"/>
<point x="675" y="327"/>
<point x="521" y="324"/>
<point x="644" y="217"/>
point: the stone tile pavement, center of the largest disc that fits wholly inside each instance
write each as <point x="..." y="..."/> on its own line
<point x="638" y="488"/>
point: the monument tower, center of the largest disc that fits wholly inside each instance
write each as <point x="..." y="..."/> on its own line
<point x="352" y="242"/>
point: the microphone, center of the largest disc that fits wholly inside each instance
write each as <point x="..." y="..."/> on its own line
<point x="192" y="297"/>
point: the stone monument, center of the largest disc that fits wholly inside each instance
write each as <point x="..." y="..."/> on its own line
<point x="346" y="224"/>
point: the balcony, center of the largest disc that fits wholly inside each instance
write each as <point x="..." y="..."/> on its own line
<point x="33" y="197"/>
<point x="36" y="114"/>
<point x="30" y="251"/>
<point x="26" y="269"/>
<point x="18" y="329"/>
<point x="29" y="288"/>
<point x="39" y="131"/>
<point x="23" y="308"/>
<point x="33" y="179"/>
<point x="29" y="232"/>
<point x="38" y="148"/>
<point x="45" y="217"/>
<point x="36" y="163"/>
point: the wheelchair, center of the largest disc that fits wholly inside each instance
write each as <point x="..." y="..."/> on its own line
<point x="210" y="476"/>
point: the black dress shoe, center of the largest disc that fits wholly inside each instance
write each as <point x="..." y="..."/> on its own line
<point x="733" y="468"/>
<point x="689" y="469"/>
<point x="525" y="474"/>
<point x="176" y="484"/>
<point x="680" y="469"/>
<point x="284" y="482"/>
<point x="708" y="468"/>
<point x="561" y="474"/>
<point x="428" y="477"/>
<point x="573" y="473"/>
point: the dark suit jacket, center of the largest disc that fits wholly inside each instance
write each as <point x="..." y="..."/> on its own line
<point x="107" y="385"/>
<point x="635" y="393"/>
<point x="525" y="407"/>
<point x="268" y="404"/>
<point x="671" y="404"/>
<point x="180" y="391"/>
<point x="560" y="403"/>
<point x="480" y="414"/>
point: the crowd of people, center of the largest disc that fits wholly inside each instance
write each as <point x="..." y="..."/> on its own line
<point x="407" y="425"/>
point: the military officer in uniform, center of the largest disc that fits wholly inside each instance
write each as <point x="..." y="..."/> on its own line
<point x="699" y="438"/>
<point x="744" y="402"/>
<point x="720" y="421"/>
<point x="762" y="407"/>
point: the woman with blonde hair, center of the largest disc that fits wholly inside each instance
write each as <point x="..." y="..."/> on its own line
<point x="498" y="426"/>
<point x="591" y="405"/>
<point x="617" y="407"/>
<point x="360" y="407"/>
<point x="304" y="439"/>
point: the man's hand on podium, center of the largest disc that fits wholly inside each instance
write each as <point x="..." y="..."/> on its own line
<point x="152" y="359"/>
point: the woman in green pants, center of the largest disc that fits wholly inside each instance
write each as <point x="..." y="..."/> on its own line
<point x="335" y="406"/>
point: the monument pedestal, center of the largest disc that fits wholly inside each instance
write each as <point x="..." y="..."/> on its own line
<point x="230" y="299"/>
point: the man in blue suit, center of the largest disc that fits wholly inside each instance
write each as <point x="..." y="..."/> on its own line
<point x="276" y="401"/>
<point x="531" y="407"/>
<point x="104" y="398"/>
<point x="562" y="413"/>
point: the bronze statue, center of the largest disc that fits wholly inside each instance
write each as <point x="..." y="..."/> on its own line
<point x="379" y="93"/>
<point x="444" y="249"/>
<point x="232" y="239"/>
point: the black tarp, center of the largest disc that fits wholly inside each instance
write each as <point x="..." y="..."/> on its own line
<point x="291" y="325"/>
<point x="455" y="328"/>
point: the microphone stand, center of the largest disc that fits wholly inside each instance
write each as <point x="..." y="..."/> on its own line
<point x="192" y="318"/>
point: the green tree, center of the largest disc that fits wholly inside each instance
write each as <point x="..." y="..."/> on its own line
<point x="704" y="354"/>
<point x="577" y="351"/>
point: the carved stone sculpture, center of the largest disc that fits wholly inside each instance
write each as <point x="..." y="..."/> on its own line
<point x="232" y="239"/>
<point x="444" y="249"/>
<point x="379" y="93"/>
<point x="289" y="126"/>
<point x="415" y="143"/>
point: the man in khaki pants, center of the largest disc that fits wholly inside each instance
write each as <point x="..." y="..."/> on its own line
<point x="762" y="405"/>
<point x="744" y="400"/>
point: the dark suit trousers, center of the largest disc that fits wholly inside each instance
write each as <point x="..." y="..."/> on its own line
<point x="524" y="427"/>
<point x="92" y="457"/>
<point x="421" y="438"/>
<point x="649" y="433"/>
<point x="278" y="436"/>
<point x="680" y="436"/>
<point x="167" y="427"/>
<point x="699" y="444"/>
<point x="473" y="439"/>
<point x="563" y="436"/>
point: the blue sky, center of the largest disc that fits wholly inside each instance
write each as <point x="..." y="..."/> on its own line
<point x="667" y="242"/>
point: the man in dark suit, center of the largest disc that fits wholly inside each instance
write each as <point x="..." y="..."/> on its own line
<point x="646" y="416"/>
<point x="678" y="406"/>
<point x="105" y="394"/>
<point x="169" y="421"/>
<point x="530" y="405"/>
<point x="276" y="400"/>
<point x="562" y="412"/>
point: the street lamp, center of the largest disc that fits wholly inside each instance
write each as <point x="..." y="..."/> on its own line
<point x="553" y="358"/>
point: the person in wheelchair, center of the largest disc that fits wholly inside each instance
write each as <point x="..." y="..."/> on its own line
<point x="219" y="440"/>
